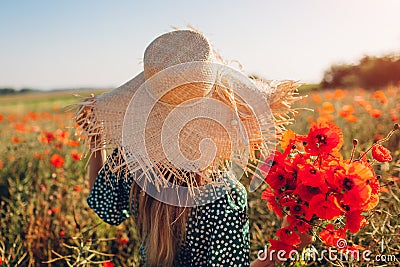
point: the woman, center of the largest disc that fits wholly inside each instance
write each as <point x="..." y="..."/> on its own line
<point x="215" y="234"/>
<point x="178" y="130"/>
<point x="161" y="249"/>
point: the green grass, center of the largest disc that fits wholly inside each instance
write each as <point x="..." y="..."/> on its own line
<point x="42" y="101"/>
<point x="308" y="87"/>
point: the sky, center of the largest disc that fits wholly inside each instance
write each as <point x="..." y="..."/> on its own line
<point x="47" y="44"/>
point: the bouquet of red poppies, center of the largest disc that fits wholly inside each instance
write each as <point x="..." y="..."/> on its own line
<point x="311" y="184"/>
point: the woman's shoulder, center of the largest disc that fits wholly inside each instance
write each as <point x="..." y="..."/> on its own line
<point x="229" y="197"/>
<point x="233" y="194"/>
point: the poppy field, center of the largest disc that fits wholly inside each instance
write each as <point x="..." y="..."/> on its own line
<point x="45" y="220"/>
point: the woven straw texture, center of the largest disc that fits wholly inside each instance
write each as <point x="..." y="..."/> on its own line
<point x="205" y="122"/>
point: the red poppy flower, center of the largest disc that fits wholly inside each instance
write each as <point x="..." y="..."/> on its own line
<point x="275" y="160"/>
<point x="346" y="111"/>
<point x="374" y="183"/>
<point x="306" y="193"/>
<point x="76" y="155"/>
<point x="324" y="208"/>
<point x="32" y="115"/>
<point x="62" y="136"/>
<point x="381" y="154"/>
<point x="316" y="97"/>
<point x="355" y="198"/>
<point x="11" y="118"/>
<point x="290" y="237"/>
<point x="20" y="127"/>
<point x="296" y="207"/>
<point x="323" y="138"/>
<point x="298" y="225"/>
<point x="73" y="143"/>
<point x="16" y="139"/>
<point x="269" y="164"/>
<point x="311" y="176"/>
<point x="55" y="209"/>
<point x="280" y="171"/>
<point x="108" y="264"/>
<point x="339" y="94"/>
<point x="291" y="176"/>
<point x="62" y="233"/>
<point x="331" y="235"/>
<point x="371" y="202"/>
<point x="272" y="204"/>
<point x="59" y="145"/>
<point x="376" y="113"/>
<point x="123" y="240"/>
<point x="354" y="221"/>
<point x="352" y="250"/>
<point x="378" y="137"/>
<point x="77" y="188"/>
<point x="379" y="94"/>
<point x="351" y="118"/>
<point x="355" y="182"/>
<point x="47" y="137"/>
<point x="328" y="107"/>
<point x="37" y="155"/>
<point x="276" y="179"/>
<point x="334" y="175"/>
<point x="57" y="161"/>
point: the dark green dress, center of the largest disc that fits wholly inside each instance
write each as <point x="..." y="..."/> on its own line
<point x="217" y="234"/>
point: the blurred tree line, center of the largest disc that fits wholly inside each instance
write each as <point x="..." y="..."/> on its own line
<point x="370" y="72"/>
<point x="11" y="91"/>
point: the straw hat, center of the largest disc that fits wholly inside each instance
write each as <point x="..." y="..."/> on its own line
<point x="188" y="114"/>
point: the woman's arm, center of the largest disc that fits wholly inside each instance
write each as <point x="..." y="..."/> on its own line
<point x="97" y="157"/>
<point x="96" y="162"/>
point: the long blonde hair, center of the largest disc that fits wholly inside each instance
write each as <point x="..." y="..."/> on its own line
<point x="161" y="226"/>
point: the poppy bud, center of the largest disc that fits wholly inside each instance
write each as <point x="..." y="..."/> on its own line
<point x="381" y="154"/>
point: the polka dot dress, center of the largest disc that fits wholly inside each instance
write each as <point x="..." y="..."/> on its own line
<point x="217" y="234"/>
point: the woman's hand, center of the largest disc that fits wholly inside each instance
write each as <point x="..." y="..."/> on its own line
<point x="96" y="162"/>
<point x="305" y="240"/>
